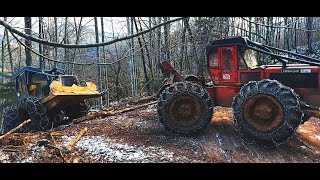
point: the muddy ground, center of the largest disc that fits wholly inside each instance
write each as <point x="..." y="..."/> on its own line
<point x="138" y="137"/>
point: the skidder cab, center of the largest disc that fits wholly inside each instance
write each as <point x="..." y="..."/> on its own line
<point x="47" y="98"/>
<point x="269" y="101"/>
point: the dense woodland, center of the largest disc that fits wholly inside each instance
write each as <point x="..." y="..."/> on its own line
<point x="124" y="64"/>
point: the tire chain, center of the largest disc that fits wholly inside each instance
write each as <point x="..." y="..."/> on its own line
<point x="33" y="106"/>
<point x="295" y="108"/>
<point x="185" y="87"/>
<point x="9" y="118"/>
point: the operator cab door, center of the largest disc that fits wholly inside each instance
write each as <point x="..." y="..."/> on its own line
<point x="222" y="65"/>
<point x="228" y="64"/>
<point x="249" y="68"/>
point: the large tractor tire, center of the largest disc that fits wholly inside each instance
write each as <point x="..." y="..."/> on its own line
<point x="9" y="120"/>
<point x="30" y="108"/>
<point x="266" y="113"/>
<point x="185" y="108"/>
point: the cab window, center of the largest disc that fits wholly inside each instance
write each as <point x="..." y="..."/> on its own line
<point x="213" y="58"/>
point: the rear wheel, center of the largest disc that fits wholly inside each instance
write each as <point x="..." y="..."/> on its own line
<point x="266" y="112"/>
<point x="30" y="108"/>
<point x="185" y="108"/>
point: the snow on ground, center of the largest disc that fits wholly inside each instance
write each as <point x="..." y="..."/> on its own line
<point x="4" y="158"/>
<point x="108" y="150"/>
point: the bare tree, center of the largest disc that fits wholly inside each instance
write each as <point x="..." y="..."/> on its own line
<point x="27" y="24"/>
<point x="147" y="51"/>
<point x="105" y="68"/>
<point x="2" y="51"/>
<point x="131" y="57"/>
<point x="55" y="39"/>
<point x="66" y="41"/>
<point x="309" y="33"/>
<point x="41" y="61"/>
<point x="166" y="38"/>
<point x="98" y="54"/>
<point x="143" y="59"/>
<point x="9" y="48"/>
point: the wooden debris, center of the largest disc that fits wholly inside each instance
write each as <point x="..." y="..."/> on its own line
<point x="15" y="129"/>
<point x="10" y="150"/>
<point x="76" y="139"/>
<point x="54" y="141"/>
<point x="131" y="108"/>
<point x="102" y="114"/>
<point x="55" y="146"/>
<point x="144" y="99"/>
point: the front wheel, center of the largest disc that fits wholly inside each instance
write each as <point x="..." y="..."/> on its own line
<point x="185" y="108"/>
<point x="266" y="112"/>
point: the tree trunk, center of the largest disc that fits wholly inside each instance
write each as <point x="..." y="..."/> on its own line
<point x="20" y="56"/>
<point x="55" y="40"/>
<point x="197" y="63"/>
<point x="41" y="65"/>
<point x="2" y="52"/>
<point x="286" y="35"/>
<point x="9" y="49"/>
<point x="27" y="24"/>
<point x="150" y="64"/>
<point x="65" y="40"/>
<point x="309" y="34"/>
<point x="118" y="68"/>
<point x="105" y="68"/>
<point x="249" y="24"/>
<point x="158" y="46"/>
<point x="295" y="34"/>
<point x="166" y="39"/>
<point x="183" y="46"/>
<point x="78" y="29"/>
<point x="142" y="57"/>
<point x="98" y="55"/>
<point x="131" y="58"/>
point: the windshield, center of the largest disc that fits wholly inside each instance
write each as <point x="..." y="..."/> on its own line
<point x="69" y="80"/>
<point x="250" y="57"/>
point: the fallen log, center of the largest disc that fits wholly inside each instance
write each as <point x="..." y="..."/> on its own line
<point x="15" y="129"/>
<point x="102" y="114"/>
<point x="143" y="100"/>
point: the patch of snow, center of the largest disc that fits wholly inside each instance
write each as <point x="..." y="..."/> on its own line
<point x="108" y="150"/>
<point x="4" y="158"/>
<point x="28" y="160"/>
<point x="36" y="153"/>
<point x="219" y="138"/>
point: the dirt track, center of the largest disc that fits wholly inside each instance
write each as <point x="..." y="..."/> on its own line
<point x="137" y="136"/>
